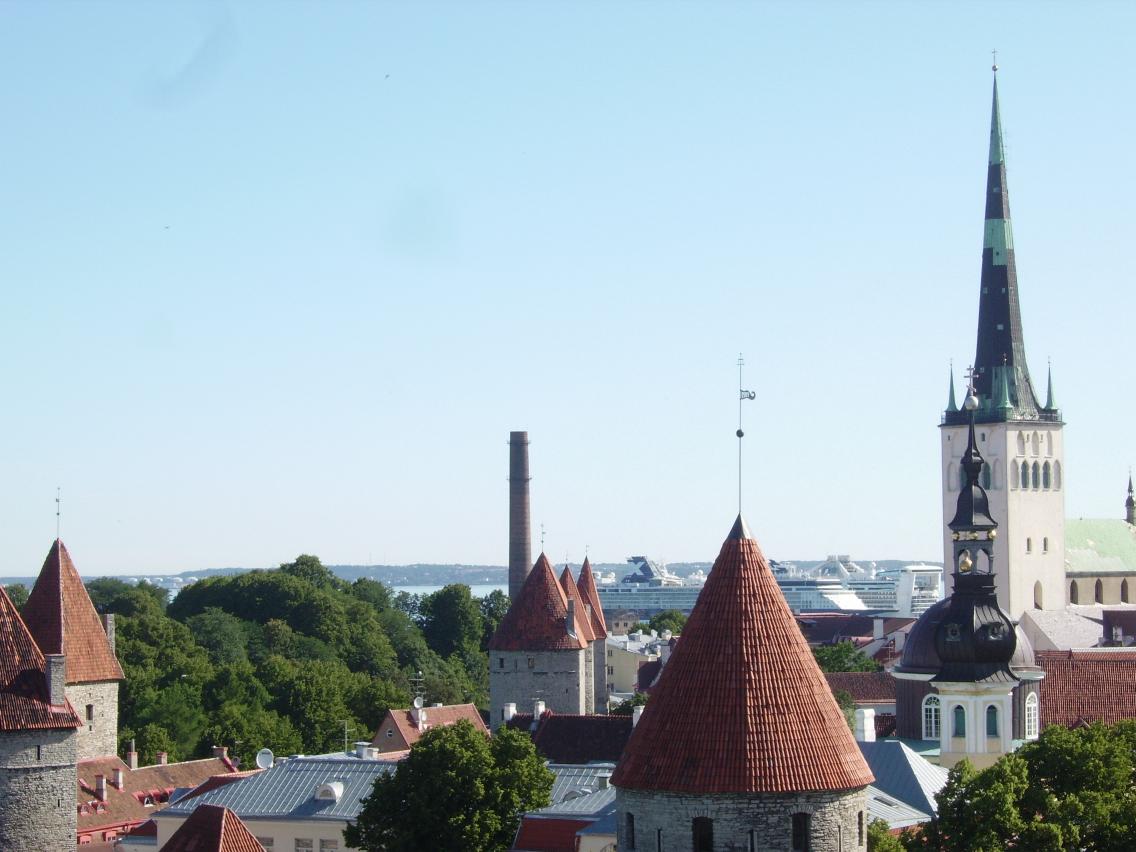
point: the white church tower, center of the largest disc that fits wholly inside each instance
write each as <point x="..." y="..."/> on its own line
<point x="1020" y="439"/>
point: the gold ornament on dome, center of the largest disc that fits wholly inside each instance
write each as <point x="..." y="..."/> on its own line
<point x="966" y="563"/>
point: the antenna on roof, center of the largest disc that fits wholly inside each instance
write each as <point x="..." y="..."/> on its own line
<point x="419" y="689"/>
<point x="346" y="735"/>
<point x="265" y="758"/>
<point x="743" y="395"/>
<point x="58" y="508"/>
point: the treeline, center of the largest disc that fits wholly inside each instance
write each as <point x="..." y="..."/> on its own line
<point x="293" y="659"/>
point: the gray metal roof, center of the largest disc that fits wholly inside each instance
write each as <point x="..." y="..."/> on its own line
<point x="892" y="811"/>
<point x="575" y="779"/>
<point x="904" y="775"/>
<point x="583" y="805"/>
<point x="288" y="790"/>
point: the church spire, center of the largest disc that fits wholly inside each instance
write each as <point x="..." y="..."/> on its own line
<point x="952" y="406"/>
<point x="1050" y="399"/>
<point x="1000" y="354"/>
<point x="1130" y="504"/>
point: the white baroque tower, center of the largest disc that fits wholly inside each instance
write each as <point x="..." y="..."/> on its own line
<point x="1020" y="439"/>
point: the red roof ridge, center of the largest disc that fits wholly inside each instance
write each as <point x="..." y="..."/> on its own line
<point x="537" y="619"/>
<point x="60" y="616"/>
<point x="741" y="705"/>
<point x="587" y="586"/>
<point x="583" y="619"/>
<point x="212" y="828"/>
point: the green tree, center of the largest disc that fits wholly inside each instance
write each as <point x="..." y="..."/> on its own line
<point x="669" y="619"/>
<point x="149" y="741"/>
<point x="18" y="592"/>
<point x="493" y="608"/>
<point x="109" y="594"/>
<point x="222" y="635"/>
<point x="844" y="657"/>
<point x="372" y="592"/>
<point x="247" y="730"/>
<point x="880" y="838"/>
<point x="628" y="705"/>
<point x="847" y="706"/>
<point x="309" y="568"/>
<point x="451" y="620"/>
<point x="457" y="790"/>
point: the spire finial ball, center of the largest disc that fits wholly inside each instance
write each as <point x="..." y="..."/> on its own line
<point x="970" y="403"/>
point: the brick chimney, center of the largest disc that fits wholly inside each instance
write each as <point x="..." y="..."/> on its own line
<point x="132" y="756"/>
<point x="510" y="711"/>
<point x="108" y="628"/>
<point x="163" y="758"/>
<point x="117" y="778"/>
<point x="538" y="709"/>
<point x="221" y="752"/>
<point x="56" y="678"/>
<point x="101" y="787"/>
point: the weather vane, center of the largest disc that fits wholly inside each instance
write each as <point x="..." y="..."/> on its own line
<point x="58" y="508"/>
<point x="743" y="395"/>
<point x="994" y="54"/>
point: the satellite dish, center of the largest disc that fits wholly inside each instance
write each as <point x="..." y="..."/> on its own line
<point x="418" y="702"/>
<point x="265" y="758"/>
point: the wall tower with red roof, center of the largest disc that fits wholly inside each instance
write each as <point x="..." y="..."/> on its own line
<point x="38" y="743"/>
<point x="540" y="649"/>
<point x="742" y="745"/>
<point x="594" y="610"/>
<point x="60" y="616"/>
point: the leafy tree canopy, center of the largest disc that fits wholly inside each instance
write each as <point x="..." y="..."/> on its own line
<point x="669" y="619"/>
<point x="458" y="789"/>
<point x="844" y="657"/>
<point x="18" y="592"/>
<point x="625" y="707"/>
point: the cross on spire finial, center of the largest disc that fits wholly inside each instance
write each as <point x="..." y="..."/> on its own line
<point x="58" y="509"/>
<point x="970" y="376"/>
<point x="994" y="54"/>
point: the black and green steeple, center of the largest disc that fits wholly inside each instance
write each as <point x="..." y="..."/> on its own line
<point x="1002" y="380"/>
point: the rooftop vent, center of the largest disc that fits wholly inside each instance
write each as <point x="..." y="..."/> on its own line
<point x="330" y="791"/>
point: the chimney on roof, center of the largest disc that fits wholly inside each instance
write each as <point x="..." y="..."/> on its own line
<point x="421" y="719"/>
<point x="520" y="526"/>
<point x="108" y="628"/>
<point x="603" y="781"/>
<point x="538" y="709"/>
<point x="163" y="758"/>
<point x="132" y="757"/>
<point x="101" y="787"/>
<point x="363" y="749"/>
<point x="56" y="678"/>
<point x="877" y="628"/>
<point x="117" y="778"/>
<point x="636" y="712"/>
<point x="570" y="618"/>
<point x="221" y="752"/>
<point x="866" y="725"/>
<point x="510" y="711"/>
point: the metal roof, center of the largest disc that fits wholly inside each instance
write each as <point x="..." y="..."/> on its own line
<point x="904" y="775"/>
<point x="892" y="811"/>
<point x="1099" y="546"/>
<point x="288" y="789"/>
<point x="575" y="779"/>
<point x="588" y="804"/>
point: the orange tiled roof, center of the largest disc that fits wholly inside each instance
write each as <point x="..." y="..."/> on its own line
<point x="568" y="584"/>
<point x="436" y="717"/>
<point x="536" y="619"/>
<point x="741" y="706"/>
<point x="570" y="738"/>
<point x="864" y="687"/>
<point x="61" y="617"/>
<point x="1087" y="686"/>
<point x="24" y="692"/>
<point x="548" y="834"/>
<point x="211" y="828"/>
<point x="127" y="807"/>
<point x="587" y="586"/>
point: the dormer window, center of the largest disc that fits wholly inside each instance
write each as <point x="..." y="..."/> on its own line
<point x="954" y="634"/>
<point x="329" y="792"/>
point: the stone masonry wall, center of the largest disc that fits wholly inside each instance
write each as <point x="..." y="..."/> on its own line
<point x="38" y="780"/>
<point x="99" y="735"/>
<point x="599" y="676"/>
<point x="742" y="823"/>
<point x="555" y="677"/>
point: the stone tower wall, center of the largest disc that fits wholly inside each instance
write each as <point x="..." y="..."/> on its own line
<point x="761" y="822"/>
<point x="521" y="677"/>
<point x="599" y="675"/>
<point x="99" y="735"/>
<point x="38" y="780"/>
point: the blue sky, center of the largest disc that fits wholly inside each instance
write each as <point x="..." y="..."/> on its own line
<point x="281" y="278"/>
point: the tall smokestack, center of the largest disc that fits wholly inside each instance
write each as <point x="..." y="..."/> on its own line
<point x="520" y="525"/>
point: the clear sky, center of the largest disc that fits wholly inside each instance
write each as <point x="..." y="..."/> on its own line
<point x="281" y="277"/>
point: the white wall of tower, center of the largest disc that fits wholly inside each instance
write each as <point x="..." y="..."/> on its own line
<point x="1029" y="551"/>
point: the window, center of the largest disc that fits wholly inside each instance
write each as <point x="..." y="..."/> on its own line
<point x="1031" y="716"/>
<point x="1045" y="476"/>
<point x="752" y="840"/>
<point x="702" y="829"/>
<point x="629" y="830"/>
<point x="986" y="476"/>
<point x="329" y="845"/>
<point x="500" y="662"/>
<point x="801" y="833"/>
<point x="658" y="840"/>
<point x="1025" y="474"/>
<point x="390" y="731"/>
<point x="931" y="711"/>
<point x="1073" y="596"/>
<point x="959" y="721"/>
<point x="303" y="844"/>
<point x="860" y="828"/>
<point x="1037" y="595"/>
<point x="1029" y="545"/>
<point x="1057" y="475"/>
<point x="266" y="842"/>
<point x="1036" y="482"/>
<point x="90" y="712"/>
<point x="1098" y="592"/>
<point x="532" y="662"/>
<point x="1124" y="591"/>
<point x="991" y="721"/>
<point x="1045" y="545"/>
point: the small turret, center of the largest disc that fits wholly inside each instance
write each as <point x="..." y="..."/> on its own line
<point x="952" y="406"/>
<point x="1050" y="398"/>
<point x="1130" y="504"/>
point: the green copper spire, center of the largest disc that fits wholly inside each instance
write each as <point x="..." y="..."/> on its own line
<point x="1050" y="399"/>
<point x="951" y="404"/>
<point x="997" y="153"/>
<point x="1002" y="400"/>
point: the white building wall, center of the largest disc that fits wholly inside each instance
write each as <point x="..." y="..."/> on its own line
<point x="1029" y="549"/>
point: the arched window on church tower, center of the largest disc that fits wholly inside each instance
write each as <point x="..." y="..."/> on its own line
<point x="1046" y="479"/>
<point x="1124" y="592"/>
<point x="991" y="721"/>
<point x="1036" y="481"/>
<point x="1098" y="592"/>
<point x="1035" y="442"/>
<point x="1025" y="475"/>
<point x="1057" y="475"/>
<point x="1073" y="596"/>
<point x="958" y="721"/>
<point x="1031" y="716"/>
<point x="1013" y="475"/>
<point x="1021" y="443"/>
<point x="931" y="716"/>
<point x="986" y="476"/>
<point x="1037" y="595"/>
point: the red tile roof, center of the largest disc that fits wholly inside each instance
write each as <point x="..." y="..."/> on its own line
<point x="25" y="698"/>
<point x="646" y="674"/>
<point x="741" y="706"/>
<point x="548" y="834"/>
<point x="536" y="619"/>
<point x="126" y="807"/>
<point x="864" y="687"/>
<point x="405" y="732"/>
<point x="568" y="584"/>
<point x="568" y="738"/>
<point x="211" y="828"/>
<point x="885" y="725"/>
<point x="587" y="586"/>
<point x="1087" y="686"/>
<point x="61" y="617"/>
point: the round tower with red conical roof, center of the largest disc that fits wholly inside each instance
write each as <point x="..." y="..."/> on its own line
<point x="742" y="745"/>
